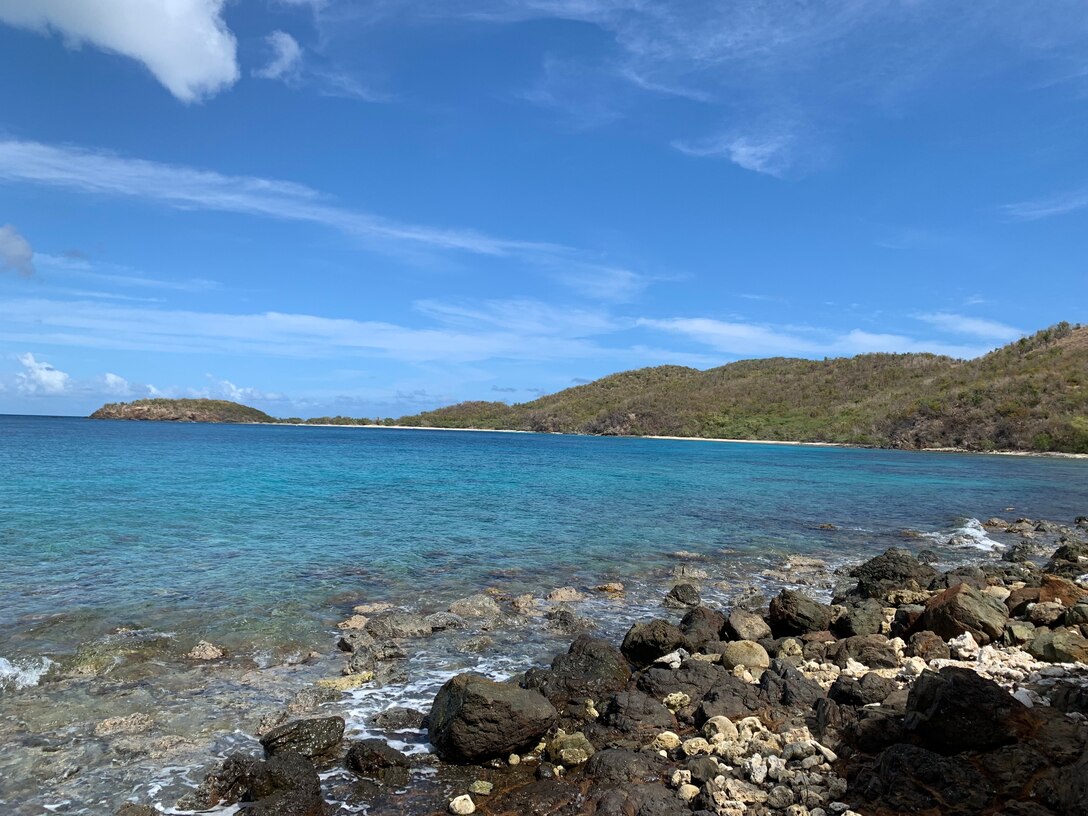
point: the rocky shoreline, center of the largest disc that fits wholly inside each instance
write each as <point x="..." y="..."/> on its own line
<point x="914" y="690"/>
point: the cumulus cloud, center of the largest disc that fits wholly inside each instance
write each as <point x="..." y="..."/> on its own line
<point x="40" y="378"/>
<point x="116" y="384"/>
<point x="185" y="44"/>
<point x="286" y="57"/>
<point x="15" y="251"/>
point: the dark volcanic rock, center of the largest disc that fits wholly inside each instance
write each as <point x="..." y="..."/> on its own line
<point x="286" y="784"/>
<point x="399" y="719"/>
<point x="315" y="738"/>
<point x="956" y="710"/>
<point x="964" y="609"/>
<point x="744" y="625"/>
<point x="863" y="617"/>
<point x="702" y="625"/>
<point x="617" y="767"/>
<point x="643" y="800"/>
<point x="694" y="678"/>
<point x="374" y="759"/>
<point x="646" y="642"/>
<point x="638" y="715"/>
<point x="733" y="698"/>
<point x="895" y="569"/>
<point x="591" y="669"/>
<point x="968" y="574"/>
<point x="908" y="779"/>
<point x="682" y="596"/>
<point x="474" y="719"/>
<point x="873" y="651"/>
<point x="793" y="613"/>
<point x="928" y="646"/>
<point x="782" y="683"/>
<point x="871" y="688"/>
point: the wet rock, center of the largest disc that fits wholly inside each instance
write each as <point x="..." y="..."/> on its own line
<point x="569" y="750"/>
<point x="863" y="617"/>
<point x="474" y="719"/>
<point x="132" y="724"/>
<point x="563" y="621"/>
<point x="963" y="608"/>
<point x="682" y="596"/>
<point x="398" y="625"/>
<point x="611" y="588"/>
<point x="475" y="645"/>
<point x="928" y="646"/>
<point x="646" y="642"/>
<point x="1059" y="646"/>
<point x="744" y="625"/>
<point x="441" y="621"/>
<point x="313" y="738"/>
<point x="591" y="669"/>
<point x="565" y="595"/>
<point x="475" y="606"/>
<point x="365" y="658"/>
<point x="526" y="605"/>
<point x="744" y="653"/>
<point x="909" y="779"/>
<point x="792" y="613"/>
<point x="895" y="569"/>
<point x="205" y="651"/>
<point x="286" y="784"/>
<point x="957" y="710"/>
<point x="638" y="716"/>
<point x="398" y="719"/>
<point x="374" y="759"/>
<point x="353" y="622"/>
<point x="133" y="809"/>
<point x="702" y="625"/>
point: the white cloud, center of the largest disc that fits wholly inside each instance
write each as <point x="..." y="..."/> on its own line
<point x="1048" y="207"/>
<point x="116" y="385"/>
<point x="185" y="43"/>
<point x="976" y="326"/>
<point x="225" y="389"/>
<point x="286" y="57"/>
<point x="754" y="340"/>
<point x="15" y="251"/>
<point x="771" y="155"/>
<point x="39" y="377"/>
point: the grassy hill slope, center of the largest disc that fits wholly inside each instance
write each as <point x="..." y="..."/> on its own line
<point x="1030" y="395"/>
<point x="182" y="410"/>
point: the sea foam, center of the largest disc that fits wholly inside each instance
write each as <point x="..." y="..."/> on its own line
<point x="23" y="674"/>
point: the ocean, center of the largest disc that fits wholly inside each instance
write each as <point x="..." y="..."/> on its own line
<point x="260" y="538"/>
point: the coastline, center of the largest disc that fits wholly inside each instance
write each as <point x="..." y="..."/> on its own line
<point x="726" y="440"/>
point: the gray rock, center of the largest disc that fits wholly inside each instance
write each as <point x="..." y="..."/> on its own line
<point x="440" y="621"/>
<point x="744" y="625"/>
<point x="1059" y="646"/>
<point x="702" y="625"/>
<point x="895" y="569"/>
<point x="863" y="617"/>
<point x="476" y="606"/>
<point x="745" y="653"/>
<point x="474" y="719"/>
<point x="646" y="642"/>
<point x="374" y="759"/>
<point x="398" y="625"/>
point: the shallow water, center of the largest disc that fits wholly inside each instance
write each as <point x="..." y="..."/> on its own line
<point x="260" y="538"/>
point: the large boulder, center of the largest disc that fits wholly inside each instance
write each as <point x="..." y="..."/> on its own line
<point x="963" y="608"/>
<point x="286" y="784"/>
<point x="909" y="779"/>
<point x="863" y="617"/>
<point x="591" y="669"/>
<point x="873" y="651"/>
<point x="682" y="596"/>
<point x="895" y="569"/>
<point x="702" y="625"/>
<point x="638" y="716"/>
<point x="693" y="678"/>
<point x="474" y="719"/>
<point x="1055" y="588"/>
<point x="315" y="737"/>
<point x="646" y="642"/>
<point x="782" y="683"/>
<point x="1059" y="646"/>
<point x="793" y="613"/>
<point x="374" y="759"/>
<point x="958" y="710"/>
<point x="476" y="606"/>
<point x="744" y="653"/>
<point x="398" y="625"/>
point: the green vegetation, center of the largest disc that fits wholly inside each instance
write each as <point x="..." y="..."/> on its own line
<point x="1031" y="395"/>
<point x="182" y="410"/>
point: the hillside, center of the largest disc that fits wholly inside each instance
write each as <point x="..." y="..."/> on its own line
<point x="1031" y="395"/>
<point x="182" y="410"/>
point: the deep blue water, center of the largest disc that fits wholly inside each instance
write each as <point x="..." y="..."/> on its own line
<point x="261" y="533"/>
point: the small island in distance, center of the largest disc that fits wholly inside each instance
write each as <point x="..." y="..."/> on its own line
<point x="1030" y="395"/>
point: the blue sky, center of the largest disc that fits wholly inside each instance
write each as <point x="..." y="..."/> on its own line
<point x="373" y="208"/>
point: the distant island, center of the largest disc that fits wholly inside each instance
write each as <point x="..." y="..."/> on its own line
<point x="1031" y="395"/>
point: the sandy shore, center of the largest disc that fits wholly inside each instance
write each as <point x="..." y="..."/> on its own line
<point x="788" y="442"/>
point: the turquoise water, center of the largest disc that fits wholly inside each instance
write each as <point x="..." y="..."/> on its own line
<point x="264" y="535"/>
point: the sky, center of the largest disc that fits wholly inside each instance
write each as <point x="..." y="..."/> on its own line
<point x="374" y="208"/>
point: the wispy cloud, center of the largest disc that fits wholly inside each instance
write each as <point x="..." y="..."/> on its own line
<point x="975" y="326"/>
<point x="289" y="63"/>
<point x="285" y="60"/>
<point x="1041" y="208"/>
<point x="185" y="43"/>
<point x="738" y="339"/>
<point x="772" y="155"/>
<point x="15" y="251"/>
<point x="101" y="173"/>
<point x="118" y="275"/>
